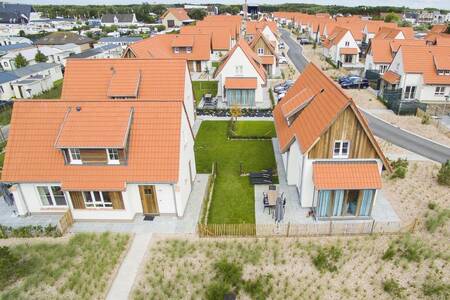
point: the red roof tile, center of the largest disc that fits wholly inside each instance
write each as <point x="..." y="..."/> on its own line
<point x="346" y="175"/>
<point x="244" y="83"/>
<point x="391" y="77"/>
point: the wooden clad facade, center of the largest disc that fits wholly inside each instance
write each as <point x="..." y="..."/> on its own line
<point x="78" y="200"/>
<point x="260" y="44"/>
<point x="345" y="127"/>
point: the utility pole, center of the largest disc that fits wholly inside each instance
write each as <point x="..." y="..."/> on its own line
<point x="245" y="9"/>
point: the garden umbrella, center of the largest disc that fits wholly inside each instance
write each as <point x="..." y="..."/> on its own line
<point x="279" y="210"/>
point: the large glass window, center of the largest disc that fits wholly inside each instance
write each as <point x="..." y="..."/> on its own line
<point x="410" y="92"/>
<point x="97" y="199"/>
<point x="240" y="97"/>
<point x="344" y="203"/>
<point x="439" y="91"/>
<point x="113" y="156"/>
<point x="51" y="195"/>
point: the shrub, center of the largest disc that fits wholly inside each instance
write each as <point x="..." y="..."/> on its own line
<point x="389" y="253"/>
<point x="400" y="167"/>
<point x="327" y="258"/>
<point x="9" y="266"/>
<point x="437" y="289"/>
<point x="29" y="231"/>
<point x="228" y="272"/>
<point x="434" y="222"/>
<point x="407" y="247"/>
<point x="432" y="205"/>
<point x="217" y="290"/>
<point x="426" y="119"/>
<point x="258" y="288"/>
<point x="443" y="176"/>
<point x="393" y="288"/>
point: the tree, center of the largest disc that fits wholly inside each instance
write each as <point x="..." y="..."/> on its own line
<point x="40" y="57"/>
<point x="21" y="33"/>
<point x="443" y="175"/>
<point x="20" y="61"/>
<point x="392" y="18"/>
<point x="197" y="14"/>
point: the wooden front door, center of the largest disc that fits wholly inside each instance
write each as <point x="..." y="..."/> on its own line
<point x="148" y="199"/>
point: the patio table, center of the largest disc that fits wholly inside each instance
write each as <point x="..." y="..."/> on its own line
<point x="272" y="196"/>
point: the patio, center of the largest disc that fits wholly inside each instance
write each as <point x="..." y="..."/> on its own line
<point x="294" y="214"/>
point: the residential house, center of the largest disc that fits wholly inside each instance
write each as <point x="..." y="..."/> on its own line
<point x="65" y="37"/>
<point x="232" y="23"/>
<point x="372" y="27"/>
<point x="342" y="48"/>
<point x="328" y="151"/>
<point x="14" y="13"/>
<point x="381" y="52"/>
<point x="120" y="20"/>
<point x="397" y="33"/>
<point x="175" y="17"/>
<point x="356" y="27"/>
<point x="420" y="73"/>
<point x="437" y="39"/>
<point x="118" y="144"/>
<point x="266" y="51"/>
<point x="241" y="77"/>
<point x="410" y="17"/>
<point x="221" y="38"/>
<point x="13" y="40"/>
<point x="123" y="41"/>
<point x="195" y="48"/>
<point x="439" y="28"/>
<point x="268" y="28"/>
<point x="105" y="51"/>
<point x="13" y="47"/>
<point x="29" y="81"/>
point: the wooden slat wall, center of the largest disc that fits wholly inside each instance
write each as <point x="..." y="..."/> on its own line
<point x="346" y="127"/>
<point x="93" y="155"/>
<point x="77" y="200"/>
<point x="260" y="44"/>
<point x="116" y="199"/>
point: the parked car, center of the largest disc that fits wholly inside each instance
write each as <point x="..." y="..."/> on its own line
<point x="280" y="96"/>
<point x="304" y="41"/>
<point x="354" y="83"/>
<point x="283" y="87"/>
<point x="348" y="77"/>
<point x="282" y="60"/>
<point x="281" y="45"/>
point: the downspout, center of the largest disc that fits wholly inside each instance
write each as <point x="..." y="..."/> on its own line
<point x="175" y="200"/>
<point x="23" y="199"/>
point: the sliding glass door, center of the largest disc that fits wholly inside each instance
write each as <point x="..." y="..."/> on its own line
<point x="240" y="97"/>
<point x="344" y="203"/>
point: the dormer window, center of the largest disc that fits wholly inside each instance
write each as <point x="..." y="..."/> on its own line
<point x="113" y="156"/>
<point x="176" y="50"/>
<point x="188" y="49"/>
<point x="75" y="156"/>
<point x="261" y="51"/>
<point x="341" y="149"/>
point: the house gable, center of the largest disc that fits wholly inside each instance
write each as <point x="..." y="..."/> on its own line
<point x="345" y="127"/>
<point x="238" y="58"/>
<point x="262" y="43"/>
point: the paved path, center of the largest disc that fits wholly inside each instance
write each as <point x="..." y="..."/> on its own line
<point x="380" y="128"/>
<point x="123" y="283"/>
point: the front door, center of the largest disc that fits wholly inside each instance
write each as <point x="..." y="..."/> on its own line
<point x="148" y="199"/>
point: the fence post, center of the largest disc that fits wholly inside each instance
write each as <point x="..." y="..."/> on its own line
<point x="288" y="228"/>
<point x="373" y="225"/>
<point x="331" y="228"/>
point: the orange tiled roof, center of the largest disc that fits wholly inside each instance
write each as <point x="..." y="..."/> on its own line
<point x="267" y="59"/>
<point x="313" y="115"/>
<point x="124" y="84"/>
<point x="178" y="13"/>
<point x="249" y="53"/>
<point x="183" y="40"/>
<point x="153" y="147"/>
<point x="391" y="77"/>
<point x="343" y="175"/>
<point x="422" y="60"/>
<point x="391" y="33"/>
<point x="94" y="127"/>
<point x="348" y="51"/>
<point x="90" y="79"/>
<point x="383" y="50"/>
<point x="335" y="37"/>
<point x="439" y="28"/>
<point x="356" y="27"/>
<point x="373" y="26"/>
<point x="220" y="36"/>
<point x="226" y="21"/>
<point x="252" y="27"/>
<point x="242" y="83"/>
<point x="260" y="36"/>
<point x="161" y="46"/>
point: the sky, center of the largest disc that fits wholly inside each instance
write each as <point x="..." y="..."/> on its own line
<point x="442" y="4"/>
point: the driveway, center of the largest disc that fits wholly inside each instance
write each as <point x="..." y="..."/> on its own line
<point x="380" y="128"/>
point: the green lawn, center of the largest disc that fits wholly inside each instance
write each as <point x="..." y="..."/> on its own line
<point x="203" y="87"/>
<point x="255" y="128"/>
<point x="233" y="198"/>
<point x="80" y="268"/>
<point x="5" y="116"/>
<point x="53" y="93"/>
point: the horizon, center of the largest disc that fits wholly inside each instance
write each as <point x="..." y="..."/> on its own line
<point x="413" y="4"/>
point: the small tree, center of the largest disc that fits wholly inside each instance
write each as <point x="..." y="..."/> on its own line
<point x="20" y="61"/>
<point x="197" y="14"/>
<point x="443" y="176"/>
<point x="40" y="57"/>
<point x="21" y="33"/>
<point x="392" y="18"/>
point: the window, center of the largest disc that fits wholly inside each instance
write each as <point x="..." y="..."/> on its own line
<point x="75" y="156"/>
<point x="2" y="90"/>
<point x="260" y="51"/>
<point x="51" y="196"/>
<point x="188" y="49"/>
<point x="410" y="92"/>
<point x="97" y="199"/>
<point x="347" y="44"/>
<point x="239" y="70"/>
<point x="113" y="156"/>
<point x="341" y="149"/>
<point x="5" y="64"/>
<point x="439" y="91"/>
<point x="383" y="68"/>
<point x="348" y="58"/>
<point x="176" y="50"/>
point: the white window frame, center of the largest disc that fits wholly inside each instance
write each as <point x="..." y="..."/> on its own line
<point x="260" y="51"/>
<point x="411" y="94"/>
<point x="439" y="91"/>
<point x="176" y="50"/>
<point x="188" y="49"/>
<point x="383" y="68"/>
<point x="113" y="156"/>
<point x="341" y="153"/>
<point x="96" y="203"/>
<point x="347" y="43"/>
<point x="75" y="156"/>
<point x="52" y="196"/>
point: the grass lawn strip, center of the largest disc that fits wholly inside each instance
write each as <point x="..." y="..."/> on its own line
<point x="255" y="128"/>
<point x="203" y="87"/>
<point x="233" y="197"/>
<point x="53" y="93"/>
<point x="78" y="269"/>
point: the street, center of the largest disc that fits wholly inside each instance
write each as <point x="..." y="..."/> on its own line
<point x="380" y="128"/>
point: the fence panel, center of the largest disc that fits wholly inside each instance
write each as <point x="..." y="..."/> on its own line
<point x="65" y="221"/>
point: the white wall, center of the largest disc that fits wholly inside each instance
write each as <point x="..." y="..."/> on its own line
<point x="307" y="185"/>
<point x="229" y="70"/>
<point x="8" y="91"/>
<point x="189" y="96"/>
<point x="294" y="164"/>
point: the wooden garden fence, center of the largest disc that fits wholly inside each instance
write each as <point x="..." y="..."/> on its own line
<point x="65" y="221"/>
<point x="307" y="229"/>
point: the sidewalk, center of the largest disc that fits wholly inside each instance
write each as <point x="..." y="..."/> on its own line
<point x="123" y="283"/>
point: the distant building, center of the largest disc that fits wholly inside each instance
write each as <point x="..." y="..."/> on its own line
<point x="123" y="41"/>
<point x="61" y="38"/>
<point x="15" y="13"/>
<point x="11" y="40"/>
<point x="105" y="51"/>
<point x="121" y="20"/>
<point x="175" y="17"/>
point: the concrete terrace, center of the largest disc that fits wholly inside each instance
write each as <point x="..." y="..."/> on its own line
<point x="8" y="217"/>
<point x="294" y="214"/>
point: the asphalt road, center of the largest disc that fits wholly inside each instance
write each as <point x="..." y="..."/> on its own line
<point x="380" y="128"/>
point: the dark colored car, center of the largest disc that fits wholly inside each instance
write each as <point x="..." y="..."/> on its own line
<point x="355" y="83"/>
<point x="347" y="78"/>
